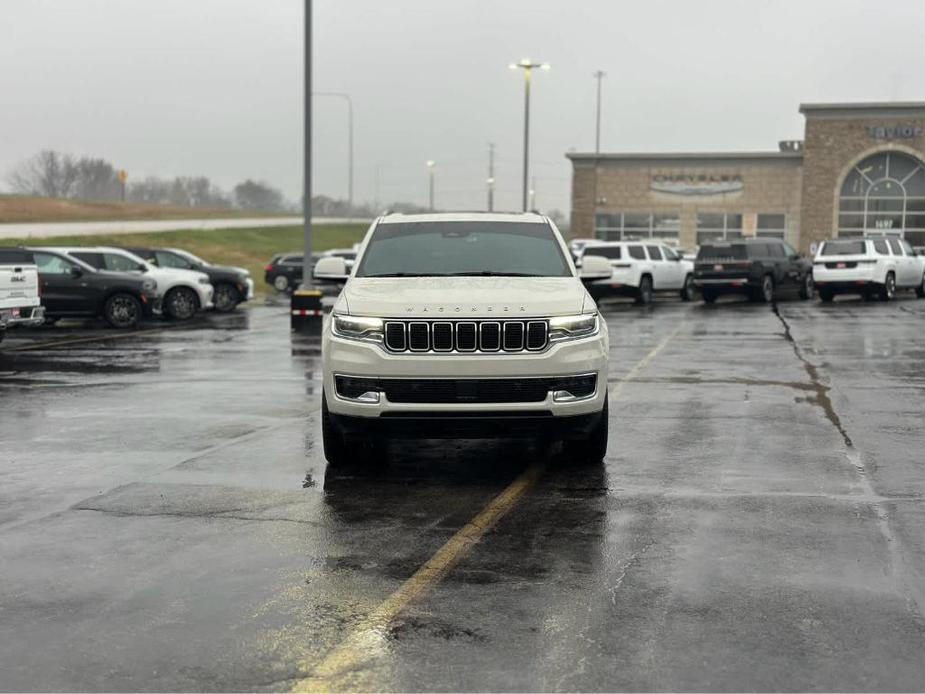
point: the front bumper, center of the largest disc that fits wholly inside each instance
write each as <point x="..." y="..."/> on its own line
<point x="367" y="360"/>
<point x="27" y="317"/>
<point x="472" y="426"/>
<point x="205" y="292"/>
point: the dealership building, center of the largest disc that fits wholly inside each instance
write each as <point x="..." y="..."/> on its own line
<point x="859" y="168"/>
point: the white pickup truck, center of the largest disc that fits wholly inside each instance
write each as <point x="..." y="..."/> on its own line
<point x="20" y="303"/>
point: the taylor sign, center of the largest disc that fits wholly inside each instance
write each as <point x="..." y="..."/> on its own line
<point x="893" y="132"/>
<point x="696" y="184"/>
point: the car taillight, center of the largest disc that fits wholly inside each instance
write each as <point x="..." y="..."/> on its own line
<point x="41" y="285"/>
<point x="269" y="267"/>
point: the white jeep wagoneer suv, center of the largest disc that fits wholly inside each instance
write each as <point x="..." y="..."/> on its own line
<point x="463" y="326"/>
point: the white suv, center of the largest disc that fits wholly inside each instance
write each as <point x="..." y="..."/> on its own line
<point x="463" y="326"/>
<point x="180" y="293"/>
<point x="640" y="269"/>
<point x="869" y="267"/>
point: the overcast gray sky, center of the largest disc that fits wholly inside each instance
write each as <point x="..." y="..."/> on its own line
<point x="214" y="86"/>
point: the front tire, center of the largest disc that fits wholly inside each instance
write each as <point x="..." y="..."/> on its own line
<point x="340" y="449"/>
<point x="644" y="293"/>
<point x="687" y="291"/>
<point x="335" y="449"/>
<point x="181" y="303"/>
<point x="888" y="290"/>
<point x="226" y="297"/>
<point x="593" y="449"/>
<point x="920" y="290"/>
<point x="122" y="311"/>
<point x="826" y="295"/>
<point x="708" y="295"/>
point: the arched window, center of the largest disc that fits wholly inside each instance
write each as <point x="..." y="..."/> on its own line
<point x="885" y="193"/>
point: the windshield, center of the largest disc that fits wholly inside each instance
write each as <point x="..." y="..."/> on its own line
<point x="844" y="248"/>
<point x="735" y="251"/>
<point x="189" y="256"/>
<point x="416" y="249"/>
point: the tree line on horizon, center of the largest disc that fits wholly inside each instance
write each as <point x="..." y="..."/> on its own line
<point x="52" y="174"/>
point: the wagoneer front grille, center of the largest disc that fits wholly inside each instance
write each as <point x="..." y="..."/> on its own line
<point x="466" y="336"/>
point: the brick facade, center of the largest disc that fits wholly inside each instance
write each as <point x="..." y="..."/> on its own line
<point x="801" y="182"/>
<point x="837" y="138"/>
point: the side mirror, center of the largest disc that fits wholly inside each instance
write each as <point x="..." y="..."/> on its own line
<point x="331" y="269"/>
<point x="76" y="271"/>
<point x="595" y="267"/>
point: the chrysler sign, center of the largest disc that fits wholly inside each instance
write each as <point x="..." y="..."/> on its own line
<point x="696" y="184"/>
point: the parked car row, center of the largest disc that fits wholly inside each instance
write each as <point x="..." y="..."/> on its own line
<point x="762" y="269"/>
<point x="122" y="286"/>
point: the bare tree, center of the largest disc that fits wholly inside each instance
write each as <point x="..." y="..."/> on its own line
<point x="257" y="195"/>
<point x="96" y="180"/>
<point x="49" y="174"/>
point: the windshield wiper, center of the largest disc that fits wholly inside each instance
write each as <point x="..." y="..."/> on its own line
<point x="492" y="273"/>
<point x="408" y="274"/>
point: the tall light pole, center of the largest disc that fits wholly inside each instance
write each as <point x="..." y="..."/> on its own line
<point x="346" y="97"/>
<point x="307" y="150"/>
<point x="491" y="176"/>
<point x="430" y="178"/>
<point x="527" y="66"/>
<point x="598" y="75"/>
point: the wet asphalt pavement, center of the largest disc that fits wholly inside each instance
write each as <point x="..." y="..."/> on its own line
<point x="167" y="521"/>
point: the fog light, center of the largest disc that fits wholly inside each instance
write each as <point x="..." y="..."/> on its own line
<point x="573" y="388"/>
<point x="364" y="390"/>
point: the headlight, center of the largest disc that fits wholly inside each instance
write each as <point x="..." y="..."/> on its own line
<point x="149" y="285"/>
<point x="358" y="327"/>
<point x="572" y="327"/>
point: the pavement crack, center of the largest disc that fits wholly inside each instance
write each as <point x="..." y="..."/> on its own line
<point x="217" y="515"/>
<point x="910" y="587"/>
<point x="821" y="391"/>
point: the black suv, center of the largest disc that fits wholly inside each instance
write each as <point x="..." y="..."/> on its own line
<point x="284" y="271"/>
<point x="71" y="288"/>
<point x="232" y="284"/>
<point x="763" y="269"/>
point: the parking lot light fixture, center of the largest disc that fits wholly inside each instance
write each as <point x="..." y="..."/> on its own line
<point x="527" y="66"/>
<point x="430" y="176"/>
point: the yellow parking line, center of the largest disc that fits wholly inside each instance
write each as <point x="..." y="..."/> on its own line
<point x="370" y="637"/>
<point x="80" y="340"/>
<point x="643" y="363"/>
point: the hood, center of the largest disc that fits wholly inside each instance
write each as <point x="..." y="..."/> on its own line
<point x="228" y="269"/>
<point x="457" y="297"/>
<point x="176" y="275"/>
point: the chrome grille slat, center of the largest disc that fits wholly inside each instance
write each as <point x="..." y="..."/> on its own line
<point x="513" y="336"/>
<point x="418" y="336"/>
<point x="466" y="336"/>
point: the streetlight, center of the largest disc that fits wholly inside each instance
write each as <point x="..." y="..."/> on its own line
<point x="430" y="176"/>
<point x="527" y="66"/>
<point x="346" y="97"/>
<point x="598" y="75"/>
